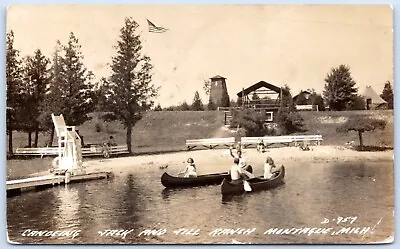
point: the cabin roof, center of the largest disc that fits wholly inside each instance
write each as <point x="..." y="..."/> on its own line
<point x="259" y="85"/>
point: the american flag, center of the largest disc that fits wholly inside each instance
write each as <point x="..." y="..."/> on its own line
<point x="154" y="29"/>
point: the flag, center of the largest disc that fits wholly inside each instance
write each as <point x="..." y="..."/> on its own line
<point x="154" y="29"/>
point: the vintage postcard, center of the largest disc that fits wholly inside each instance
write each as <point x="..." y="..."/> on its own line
<point x="200" y="124"/>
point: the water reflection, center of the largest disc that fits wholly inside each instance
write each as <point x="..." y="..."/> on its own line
<point x="133" y="201"/>
<point x="67" y="208"/>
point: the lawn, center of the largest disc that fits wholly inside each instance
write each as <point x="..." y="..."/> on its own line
<point x="167" y="131"/>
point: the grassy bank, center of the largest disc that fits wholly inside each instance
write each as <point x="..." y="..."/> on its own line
<point x="167" y="131"/>
<point x="156" y="131"/>
<point x="326" y="123"/>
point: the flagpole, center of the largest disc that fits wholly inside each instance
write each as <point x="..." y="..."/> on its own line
<point x="146" y="39"/>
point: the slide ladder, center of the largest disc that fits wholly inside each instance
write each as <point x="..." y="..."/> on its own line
<point x="69" y="146"/>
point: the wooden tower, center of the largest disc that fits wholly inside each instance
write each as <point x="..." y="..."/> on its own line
<point x="218" y="91"/>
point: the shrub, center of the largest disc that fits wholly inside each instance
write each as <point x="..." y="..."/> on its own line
<point x="289" y="122"/>
<point x="250" y="120"/>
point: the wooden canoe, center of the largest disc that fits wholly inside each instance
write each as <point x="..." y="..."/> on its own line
<point x="256" y="184"/>
<point x="169" y="181"/>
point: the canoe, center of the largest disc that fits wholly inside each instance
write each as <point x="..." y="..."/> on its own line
<point x="256" y="184"/>
<point x="202" y="180"/>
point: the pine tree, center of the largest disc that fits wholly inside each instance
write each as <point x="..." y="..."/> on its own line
<point x="197" y="104"/>
<point x="129" y="90"/>
<point x="184" y="106"/>
<point x="52" y="102"/>
<point x="287" y="103"/>
<point x="340" y="88"/>
<point x="76" y="87"/>
<point x="13" y="81"/>
<point x="387" y="94"/>
<point x="35" y="82"/>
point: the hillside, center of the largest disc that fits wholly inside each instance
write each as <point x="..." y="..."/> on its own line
<point x="167" y="131"/>
<point x="156" y="131"/>
<point x="325" y="124"/>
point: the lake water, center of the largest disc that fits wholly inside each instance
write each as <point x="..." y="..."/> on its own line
<point x="133" y="202"/>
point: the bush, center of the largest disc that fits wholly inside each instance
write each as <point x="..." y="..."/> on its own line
<point x="289" y="122"/>
<point x="251" y="121"/>
<point x="158" y="108"/>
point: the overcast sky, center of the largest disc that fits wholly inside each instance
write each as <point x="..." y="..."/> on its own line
<point x="295" y="45"/>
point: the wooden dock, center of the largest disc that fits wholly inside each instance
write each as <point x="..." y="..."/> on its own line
<point x="15" y="187"/>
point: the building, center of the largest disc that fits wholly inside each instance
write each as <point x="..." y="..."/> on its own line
<point x="372" y="100"/>
<point x="303" y="98"/>
<point x="261" y="95"/>
<point x="218" y="91"/>
<point x="304" y="101"/>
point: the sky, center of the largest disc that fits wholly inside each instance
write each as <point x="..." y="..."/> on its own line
<point x="295" y="45"/>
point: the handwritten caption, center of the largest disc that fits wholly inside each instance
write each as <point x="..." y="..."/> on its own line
<point x="344" y="225"/>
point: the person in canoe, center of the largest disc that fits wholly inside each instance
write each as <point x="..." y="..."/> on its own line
<point x="268" y="167"/>
<point x="260" y="146"/>
<point x="238" y="174"/>
<point x="190" y="170"/>
<point x="239" y="155"/>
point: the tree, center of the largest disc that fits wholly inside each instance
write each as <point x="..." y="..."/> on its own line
<point x="340" y="88"/>
<point x="250" y="120"/>
<point x="35" y="82"/>
<point x="197" y="104"/>
<point x="287" y="102"/>
<point x="289" y="122"/>
<point x="288" y="119"/>
<point x="54" y="93"/>
<point x="358" y="103"/>
<point x="129" y="91"/>
<point x="387" y="94"/>
<point x="184" y="106"/>
<point x="77" y="94"/>
<point x="316" y="99"/>
<point x="158" y="108"/>
<point x="207" y="86"/>
<point x="13" y="81"/>
<point x="362" y="124"/>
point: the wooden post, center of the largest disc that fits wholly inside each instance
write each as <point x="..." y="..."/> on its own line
<point x="243" y="98"/>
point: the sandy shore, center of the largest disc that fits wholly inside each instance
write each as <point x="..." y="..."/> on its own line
<point x="218" y="160"/>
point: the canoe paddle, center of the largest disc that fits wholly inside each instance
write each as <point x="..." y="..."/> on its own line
<point x="247" y="186"/>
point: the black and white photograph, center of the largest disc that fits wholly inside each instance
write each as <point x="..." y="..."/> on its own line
<point x="199" y="124"/>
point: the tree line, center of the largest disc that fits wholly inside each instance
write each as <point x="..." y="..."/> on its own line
<point x="38" y="86"/>
<point x="340" y="93"/>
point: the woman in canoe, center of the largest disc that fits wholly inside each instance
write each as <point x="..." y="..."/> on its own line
<point x="190" y="170"/>
<point x="268" y="166"/>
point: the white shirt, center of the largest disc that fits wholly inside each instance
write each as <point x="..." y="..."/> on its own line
<point x="242" y="162"/>
<point x="190" y="171"/>
<point x="267" y="171"/>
